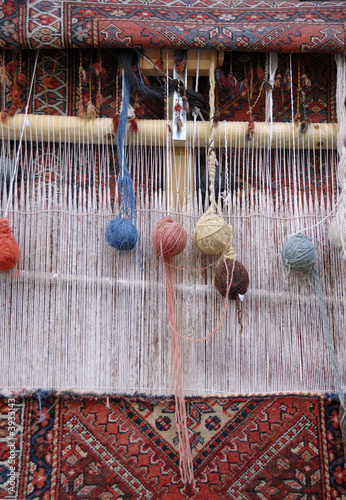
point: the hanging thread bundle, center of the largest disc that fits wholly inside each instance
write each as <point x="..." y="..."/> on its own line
<point x="169" y="240"/>
<point x="337" y="228"/>
<point x="212" y="235"/>
<point x="9" y="248"/>
<point x="299" y="254"/>
<point x="121" y="233"/>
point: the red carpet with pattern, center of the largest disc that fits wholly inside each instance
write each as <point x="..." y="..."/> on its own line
<point x="256" y="447"/>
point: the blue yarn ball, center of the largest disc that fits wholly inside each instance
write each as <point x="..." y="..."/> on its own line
<point x="121" y="234"/>
<point x="298" y="253"/>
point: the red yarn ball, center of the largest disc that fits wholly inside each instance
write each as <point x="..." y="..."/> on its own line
<point x="169" y="238"/>
<point x="240" y="282"/>
<point x="9" y="249"/>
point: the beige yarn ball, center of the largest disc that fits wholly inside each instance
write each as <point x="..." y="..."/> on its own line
<point x="334" y="234"/>
<point x="212" y="235"/>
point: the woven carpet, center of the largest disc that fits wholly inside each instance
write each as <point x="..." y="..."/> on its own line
<point x="255" y="447"/>
<point x="286" y="26"/>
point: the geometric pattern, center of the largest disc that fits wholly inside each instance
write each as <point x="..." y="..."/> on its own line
<point x="285" y="446"/>
<point x="252" y="26"/>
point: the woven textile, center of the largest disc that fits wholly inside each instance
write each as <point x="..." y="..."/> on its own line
<point x="253" y="26"/>
<point x="255" y="447"/>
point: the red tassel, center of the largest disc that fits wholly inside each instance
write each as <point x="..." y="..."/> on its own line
<point x="260" y="72"/>
<point x="81" y="110"/>
<point x="179" y="124"/>
<point x="178" y="107"/>
<point x="133" y="124"/>
<point x="11" y="66"/>
<point x="21" y="78"/>
<point x="99" y="70"/>
<point x="220" y="78"/>
<point x="13" y="110"/>
<point x="243" y="88"/>
<point x="115" y="123"/>
<point x="159" y="64"/>
<point x="180" y="66"/>
<point x="4" y="114"/>
<point x="139" y="111"/>
<point x="217" y="116"/>
<point x="99" y="100"/>
<point x="186" y="105"/>
<point x="250" y="129"/>
<point x="297" y="119"/>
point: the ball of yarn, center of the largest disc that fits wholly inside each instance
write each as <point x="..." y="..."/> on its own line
<point x="223" y="275"/>
<point x="298" y="253"/>
<point x="9" y="249"/>
<point x="334" y="234"/>
<point x="169" y="238"/>
<point x="121" y="234"/>
<point x="212" y="235"/>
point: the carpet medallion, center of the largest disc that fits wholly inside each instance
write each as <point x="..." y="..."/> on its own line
<point x="255" y="447"/>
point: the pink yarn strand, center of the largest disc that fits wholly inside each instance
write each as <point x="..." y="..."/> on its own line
<point x="223" y="312"/>
<point x="185" y="455"/>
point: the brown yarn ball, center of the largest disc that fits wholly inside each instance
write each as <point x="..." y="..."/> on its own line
<point x="240" y="281"/>
<point x="169" y="238"/>
<point x="9" y="249"/>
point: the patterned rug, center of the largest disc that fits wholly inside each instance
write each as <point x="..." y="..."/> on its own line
<point x="287" y="26"/>
<point x="255" y="447"/>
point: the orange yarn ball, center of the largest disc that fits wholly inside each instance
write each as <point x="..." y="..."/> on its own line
<point x="169" y="238"/>
<point x="9" y="249"/>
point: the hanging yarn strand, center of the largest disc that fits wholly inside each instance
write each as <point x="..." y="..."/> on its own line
<point x="299" y="254"/>
<point x="121" y="233"/>
<point x="212" y="235"/>
<point x="169" y="240"/>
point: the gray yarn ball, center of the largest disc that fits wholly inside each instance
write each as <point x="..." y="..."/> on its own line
<point x="298" y="253"/>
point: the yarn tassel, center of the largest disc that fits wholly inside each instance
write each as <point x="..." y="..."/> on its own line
<point x="13" y="110"/>
<point x="133" y="124"/>
<point x="21" y="78"/>
<point x="4" y="79"/>
<point x="91" y="111"/>
<point x="116" y="123"/>
<point x="185" y="455"/>
<point x="250" y="129"/>
<point x="304" y="125"/>
<point x="99" y="100"/>
<point x="81" y="110"/>
<point x="4" y="115"/>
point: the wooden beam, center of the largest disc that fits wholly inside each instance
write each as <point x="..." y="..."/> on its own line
<point x="43" y="128"/>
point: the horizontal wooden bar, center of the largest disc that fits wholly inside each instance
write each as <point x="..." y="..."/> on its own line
<point x="43" y="128"/>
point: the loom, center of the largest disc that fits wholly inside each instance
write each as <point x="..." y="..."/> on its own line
<point x="86" y="318"/>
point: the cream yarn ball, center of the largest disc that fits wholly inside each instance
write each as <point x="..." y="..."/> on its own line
<point x="212" y="235"/>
